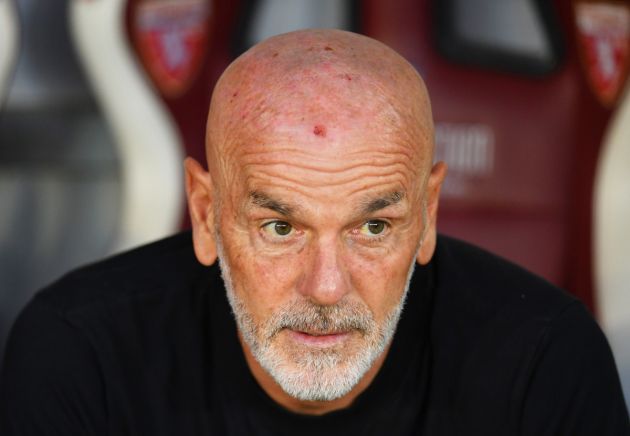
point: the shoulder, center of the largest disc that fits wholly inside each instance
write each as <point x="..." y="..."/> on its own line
<point x="511" y="350"/>
<point x="485" y="305"/>
<point x="50" y="380"/>
<point x="132" y="307"/>
<point x="573" y="384"/>
<point x="150" y="269"/>
<point x="482" y="284"/>
<point x="488" y="311"/>
<point x="104" y="334"/>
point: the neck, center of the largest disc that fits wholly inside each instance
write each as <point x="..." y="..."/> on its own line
<point x="276" y="393"/>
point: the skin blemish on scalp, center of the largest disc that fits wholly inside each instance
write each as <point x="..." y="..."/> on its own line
<point x="319" y="130"/>
<point x="328" y="48"/>
<point x="275" y="54"/>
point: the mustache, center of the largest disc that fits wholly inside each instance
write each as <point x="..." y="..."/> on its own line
<point x="306" y="316"/>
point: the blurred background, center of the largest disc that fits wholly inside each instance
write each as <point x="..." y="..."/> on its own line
<point x="100" y="100"/>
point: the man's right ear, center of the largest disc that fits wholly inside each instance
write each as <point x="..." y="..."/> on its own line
<point x="200" y="205"/>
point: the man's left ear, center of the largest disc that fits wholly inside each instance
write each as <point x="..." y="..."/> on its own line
<point x="432" y="198"/>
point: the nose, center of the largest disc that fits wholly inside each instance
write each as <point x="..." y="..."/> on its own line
<point x="326" y="280"/>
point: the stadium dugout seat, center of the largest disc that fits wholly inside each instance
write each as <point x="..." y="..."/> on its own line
<point x="612" y="237"/>
<point x="518" y="119"/>
<point x="148" y="145"/>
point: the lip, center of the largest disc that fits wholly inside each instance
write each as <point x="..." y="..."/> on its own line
<point x="319" y="340"/>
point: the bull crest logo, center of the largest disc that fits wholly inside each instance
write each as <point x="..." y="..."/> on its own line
<point x="603" y="31"/>
<point x="172" y="40"/>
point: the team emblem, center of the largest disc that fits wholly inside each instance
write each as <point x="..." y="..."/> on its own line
<point x="603" y="31"/>
<point x="172" y="38"/>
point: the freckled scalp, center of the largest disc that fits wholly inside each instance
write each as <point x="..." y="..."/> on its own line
<point x="322" y="82"/>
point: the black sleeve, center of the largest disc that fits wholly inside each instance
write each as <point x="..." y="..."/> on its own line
<point x="575" y="388"/>
<point x="50" y="382"/>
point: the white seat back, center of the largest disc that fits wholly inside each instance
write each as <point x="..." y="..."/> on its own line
<point x="150" y="150"/>
<point x="612" y="237"/>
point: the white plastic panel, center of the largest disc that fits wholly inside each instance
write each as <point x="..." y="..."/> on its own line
<point x="612" y="238"/>
<point x="149" y="148"/>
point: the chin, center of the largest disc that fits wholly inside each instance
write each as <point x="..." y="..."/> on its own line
<point x="319" y="373"/>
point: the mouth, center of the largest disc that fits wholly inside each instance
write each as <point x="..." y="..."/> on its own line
<point x="319" y="339"/>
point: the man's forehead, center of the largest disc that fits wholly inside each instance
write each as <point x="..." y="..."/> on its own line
<point x="320" y="93"/>
<point x="323" y="104"/>
<point x="333" y="160"/>
<point x="340" y="162"/>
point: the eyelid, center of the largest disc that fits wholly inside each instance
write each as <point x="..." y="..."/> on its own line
<point x="373" y="237"/>
<point x="267" y="231"/>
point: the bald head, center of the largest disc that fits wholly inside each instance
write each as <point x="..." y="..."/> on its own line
<point x="319" y="83"/>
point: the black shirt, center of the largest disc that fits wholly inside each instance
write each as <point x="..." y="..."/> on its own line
<point x="145" y="344"/>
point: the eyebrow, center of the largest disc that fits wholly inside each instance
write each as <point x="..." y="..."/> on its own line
<point x="382" y="202"/>
<point x="261" y="199"/>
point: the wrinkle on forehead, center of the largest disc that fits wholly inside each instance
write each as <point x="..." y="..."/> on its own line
<point x="314" y="87"/>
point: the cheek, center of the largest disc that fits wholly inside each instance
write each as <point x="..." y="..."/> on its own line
<point x="380" y="282"/>
<point x="261" y="280"/>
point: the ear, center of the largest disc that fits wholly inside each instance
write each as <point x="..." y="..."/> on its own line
<point x="200" y="204"/>
<point x="432" y="198"/>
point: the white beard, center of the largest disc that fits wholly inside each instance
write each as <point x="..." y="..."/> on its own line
<point x="314" y="373"/>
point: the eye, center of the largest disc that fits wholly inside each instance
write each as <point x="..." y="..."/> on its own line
<point x="373" y="227"/>
<point x="278" y="228"/>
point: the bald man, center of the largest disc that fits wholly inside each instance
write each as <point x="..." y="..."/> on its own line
<point x="334" y="307"/>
